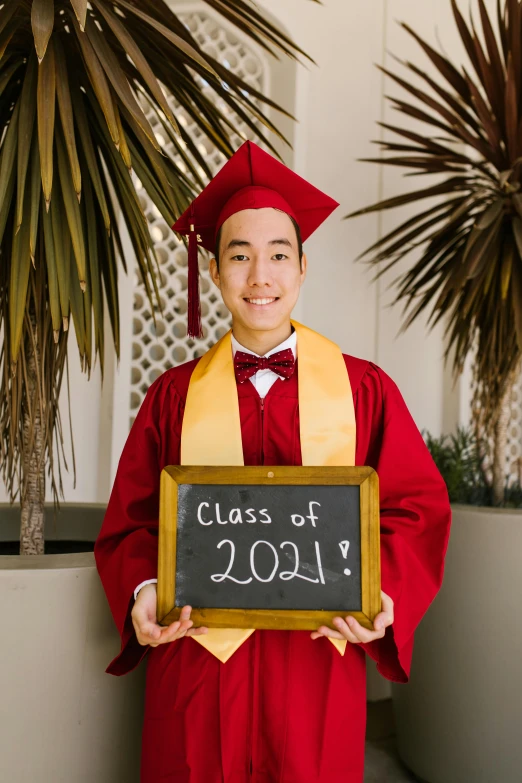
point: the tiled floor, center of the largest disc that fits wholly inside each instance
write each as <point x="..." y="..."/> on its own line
<point x="382" y="764"/>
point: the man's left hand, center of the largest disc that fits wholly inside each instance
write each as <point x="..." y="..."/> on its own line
<point x="348" y="628"/>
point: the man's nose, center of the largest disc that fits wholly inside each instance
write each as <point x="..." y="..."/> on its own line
<point x="260" y="273"/>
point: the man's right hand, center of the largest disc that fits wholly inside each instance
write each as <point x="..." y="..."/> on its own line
<point x="145" y="623"/>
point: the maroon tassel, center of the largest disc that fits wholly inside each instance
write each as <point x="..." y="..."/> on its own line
<point x="193" y="303"/>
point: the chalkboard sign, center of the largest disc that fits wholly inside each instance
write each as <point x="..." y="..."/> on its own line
<point x="269" y="547"/>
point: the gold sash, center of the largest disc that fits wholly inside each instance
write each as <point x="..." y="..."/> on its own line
<point x="211" y="432"/>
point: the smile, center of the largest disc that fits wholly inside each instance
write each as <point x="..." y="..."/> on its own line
<point x="260" y="301"/>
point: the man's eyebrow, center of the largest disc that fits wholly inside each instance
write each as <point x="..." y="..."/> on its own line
<point x="282" y="241"/>
<point x="237" y="243"/>
<point x="244" y="243"/>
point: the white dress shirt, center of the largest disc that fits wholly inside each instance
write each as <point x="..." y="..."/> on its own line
<point x="262" y="380"/>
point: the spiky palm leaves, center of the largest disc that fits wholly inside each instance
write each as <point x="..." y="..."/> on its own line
<point x="470" y="267"/>
<point x="77" y="81"/>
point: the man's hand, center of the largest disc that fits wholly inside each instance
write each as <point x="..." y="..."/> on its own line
<point x="145" y="623"/>
<point x="351" y="630"/>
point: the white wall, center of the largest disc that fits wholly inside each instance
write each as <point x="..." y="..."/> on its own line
<point x="337" y="103"/>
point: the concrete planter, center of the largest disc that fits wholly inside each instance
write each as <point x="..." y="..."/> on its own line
<point x="63" y="719"/>
<point x="459" y="719"/>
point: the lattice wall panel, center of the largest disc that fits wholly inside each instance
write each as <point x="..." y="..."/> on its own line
<point x="514" y="448"/>
<point x="156" y="348"/>
<point x="513" y="462"/>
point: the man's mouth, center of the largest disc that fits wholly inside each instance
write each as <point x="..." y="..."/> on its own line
<point x="263" y="301"/>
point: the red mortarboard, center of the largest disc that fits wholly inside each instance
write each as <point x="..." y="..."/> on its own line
<point x="251" y="179"/>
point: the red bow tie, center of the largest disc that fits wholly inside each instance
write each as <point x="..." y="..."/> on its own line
<point x="246" y="364"/>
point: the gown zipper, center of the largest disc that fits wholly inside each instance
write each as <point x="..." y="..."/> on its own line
<point x="254" y="674"/>
<point x="262" y="431"/>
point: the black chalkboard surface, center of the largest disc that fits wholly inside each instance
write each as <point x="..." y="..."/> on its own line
<point x="269" y="547"/>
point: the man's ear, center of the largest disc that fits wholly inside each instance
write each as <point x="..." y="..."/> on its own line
<point x="214" y="272"/>
<point x="304" y="267"/>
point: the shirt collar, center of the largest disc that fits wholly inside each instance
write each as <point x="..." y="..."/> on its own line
<point x="290" y="342"/>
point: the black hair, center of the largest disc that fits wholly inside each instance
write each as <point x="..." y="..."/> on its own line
<point x="297" y="232"/>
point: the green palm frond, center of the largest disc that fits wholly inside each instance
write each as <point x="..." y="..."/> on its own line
<point x="78" y="83"/>
<point x="469" y="270"/>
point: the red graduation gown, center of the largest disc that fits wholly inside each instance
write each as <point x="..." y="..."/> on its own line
<point x="283" y="708"/>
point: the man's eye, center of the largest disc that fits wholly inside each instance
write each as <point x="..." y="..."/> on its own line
<point x="239" y="257"/>
<point x="280" y="256"/>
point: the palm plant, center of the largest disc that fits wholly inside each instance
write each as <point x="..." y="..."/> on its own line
<point x="469" y="268"/>
<point x="75" y="78"/>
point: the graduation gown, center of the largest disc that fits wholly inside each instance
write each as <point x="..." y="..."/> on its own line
<point x="284" y="707"/>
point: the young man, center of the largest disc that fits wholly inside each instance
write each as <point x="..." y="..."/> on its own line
<point x="289" y="706"/>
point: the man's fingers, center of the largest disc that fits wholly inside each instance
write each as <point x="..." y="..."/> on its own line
<point x="382" y="621"/>
<point x="149" y="632"/>
<point x="144" y="620"/>
<point x="346" y="629"/>
<point x="178" y="628"/>
<point x="386" y="615"/>
<point x="363" y="634"/>
<point x="353" y="631"/>
<point x="387" y="605"/>
<point x="146" y="629"/>
<point x="201" y="631"/>
<point x="349" y="629"/>
<point x="325" y="631"/>
<point x="175" y="630"/>
<point x="154" y="634"/>
<point x="172" y="632"/>
<point x="342" y="632"/>
<point x="161" y="634"/>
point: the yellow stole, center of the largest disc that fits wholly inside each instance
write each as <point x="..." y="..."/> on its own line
<point x="211" y="432"/>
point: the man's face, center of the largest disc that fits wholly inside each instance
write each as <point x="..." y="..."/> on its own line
<point x="260" y="274"/>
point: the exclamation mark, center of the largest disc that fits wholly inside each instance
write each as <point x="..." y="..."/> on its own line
<point x="345" y="545"/>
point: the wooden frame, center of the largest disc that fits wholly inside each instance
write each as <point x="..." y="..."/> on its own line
<point x="365" y="477"/>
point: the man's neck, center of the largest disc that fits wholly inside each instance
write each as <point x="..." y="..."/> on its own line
<point x="261" y="342"/>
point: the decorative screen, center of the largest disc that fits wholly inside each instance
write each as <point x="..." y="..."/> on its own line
<point x="156" y="348"/>
<point x="514" y="446"/>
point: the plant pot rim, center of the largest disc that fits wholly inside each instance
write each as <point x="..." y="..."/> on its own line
<point x="47" y="562"/>
<point x="486" y="509"/>
<point x="49" y="505"/>
<point x="75" y="522"/>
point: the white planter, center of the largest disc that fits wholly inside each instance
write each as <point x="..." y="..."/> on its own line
<point x="63" y="720"/>
<point x="459" y="719"/>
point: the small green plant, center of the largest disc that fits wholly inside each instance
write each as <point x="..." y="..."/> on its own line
<point x="462" y="459"/>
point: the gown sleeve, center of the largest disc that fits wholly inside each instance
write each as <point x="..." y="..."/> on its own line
<point x="126" y="550"/>
<point x="415" y="517"/>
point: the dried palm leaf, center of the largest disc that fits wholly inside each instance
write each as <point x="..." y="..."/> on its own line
<point x="83" y="87"/>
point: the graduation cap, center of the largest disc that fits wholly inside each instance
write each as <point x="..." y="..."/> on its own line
<point x="250" y="179"/>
